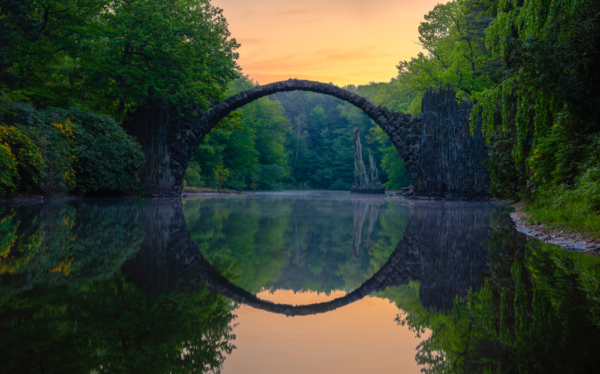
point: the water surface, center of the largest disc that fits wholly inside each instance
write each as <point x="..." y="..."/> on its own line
<point x="317" y="282"/>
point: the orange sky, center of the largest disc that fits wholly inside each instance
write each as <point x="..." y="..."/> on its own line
<point x="359" y="338"/>
<point x="339" y="41"/>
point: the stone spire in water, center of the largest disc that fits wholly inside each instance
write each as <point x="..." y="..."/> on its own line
<point x="373" y="173"/>
<point x="361" y="180"/>
<point x="364" y="183"/>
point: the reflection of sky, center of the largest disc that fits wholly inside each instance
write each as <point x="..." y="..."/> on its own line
<point x="339" y="41"/>
<point x="359" y="338"/>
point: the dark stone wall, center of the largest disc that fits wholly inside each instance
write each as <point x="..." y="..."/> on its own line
<point x="451" y="163"/>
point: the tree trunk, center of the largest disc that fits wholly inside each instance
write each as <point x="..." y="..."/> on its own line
<point x="150" y="127"/>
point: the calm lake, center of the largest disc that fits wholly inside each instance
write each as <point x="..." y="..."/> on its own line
<point x="289" y="282"/>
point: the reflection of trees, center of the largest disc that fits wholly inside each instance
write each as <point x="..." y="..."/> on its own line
<point x="95" y="317"/>
<point x="246" y="244"/>
<point x="66" y="242"/>
<point x="540" y="304"/>
<point x="536" y="311"/>
<point x="112" y="326"/>
<point x="299" y="243"/>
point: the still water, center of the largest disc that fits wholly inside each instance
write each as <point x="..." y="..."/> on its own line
<point x="290" y="282"/>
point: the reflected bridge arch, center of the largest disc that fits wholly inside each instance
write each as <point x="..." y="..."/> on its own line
<point x="441" y="248"/>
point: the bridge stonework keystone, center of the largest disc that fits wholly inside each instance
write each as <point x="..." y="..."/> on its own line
<point x="442" y="158"/>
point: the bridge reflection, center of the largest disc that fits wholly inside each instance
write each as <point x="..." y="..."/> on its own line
<point x="441" y="248"/>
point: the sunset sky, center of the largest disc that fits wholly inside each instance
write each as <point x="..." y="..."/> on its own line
<point x="338" y="41"/>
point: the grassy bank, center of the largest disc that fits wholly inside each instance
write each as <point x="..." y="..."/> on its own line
<point x="572" y="214"/>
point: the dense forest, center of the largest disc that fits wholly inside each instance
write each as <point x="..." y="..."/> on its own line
<point x="72" y="71"/>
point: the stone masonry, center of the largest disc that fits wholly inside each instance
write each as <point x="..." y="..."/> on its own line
<point x="451" y="167"/>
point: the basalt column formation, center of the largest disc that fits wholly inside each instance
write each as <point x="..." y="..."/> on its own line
<point x="364" y="183"/>
<point x="451" y="160"/>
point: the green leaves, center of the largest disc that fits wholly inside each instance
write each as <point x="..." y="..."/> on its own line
<point x="176" y="52"/>
<point x="106" y="157"/>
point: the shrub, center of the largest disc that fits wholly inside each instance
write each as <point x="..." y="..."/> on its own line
<point x="269" y="177"/>
<point x="192" y="175"/>
<point x="340" y="185"/>
<point x="106" y="157"/>
<point x="29" y="159"/>
<point x="56" y="147"/>
<point x="9" y="177"/>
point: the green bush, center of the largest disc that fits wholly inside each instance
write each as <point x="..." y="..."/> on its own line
<point x="9" y="177"/>
<point x="106" y="157"/>
<point x="192" y="175"/>
<point x="575" y="208"/>
<point x="54" y="141"/>
<point x="269" y="177"/>
<point x="340" y="185"/>
<point x="29" y="159"/>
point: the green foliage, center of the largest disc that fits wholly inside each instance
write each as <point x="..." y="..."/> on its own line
<point x="577" y="207"/>
<point x="246" y="143"/>
<point x="506" y="178"/>
<point x="321" y="139"/>
<point x="455" y="50"/>
<point x="29" y="159"/>
<point x="391" y="163"/>
<point x="54" y="141"/>
<point x="18" y="22"/>
<point x="340" y="185"/>
<point x="192" y="176"/>
<point x="9" y="176"/>
<point x="106" y="158"/>
<point x="178" y="53"/>
<point x="269" y="176"/>
<point x="221" y="174"/>
<point x="547" y="91"/>
<point x="112" y="57"/>
<point x="397" y="96"/>
<point x="64" y="52"/>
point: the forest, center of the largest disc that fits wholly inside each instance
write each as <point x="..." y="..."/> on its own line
<point x="71" y="71"/>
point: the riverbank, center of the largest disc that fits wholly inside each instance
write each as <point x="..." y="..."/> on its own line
<point x="564" y="237"/>
<point x="203" y="190"/>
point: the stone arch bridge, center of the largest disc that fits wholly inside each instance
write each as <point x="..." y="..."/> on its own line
<point x="442" y="158"/>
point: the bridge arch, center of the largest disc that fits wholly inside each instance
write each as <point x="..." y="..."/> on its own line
<point x="402" y="129"/>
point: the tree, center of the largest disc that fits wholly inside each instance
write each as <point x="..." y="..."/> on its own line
<point x="221" y="174"/>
